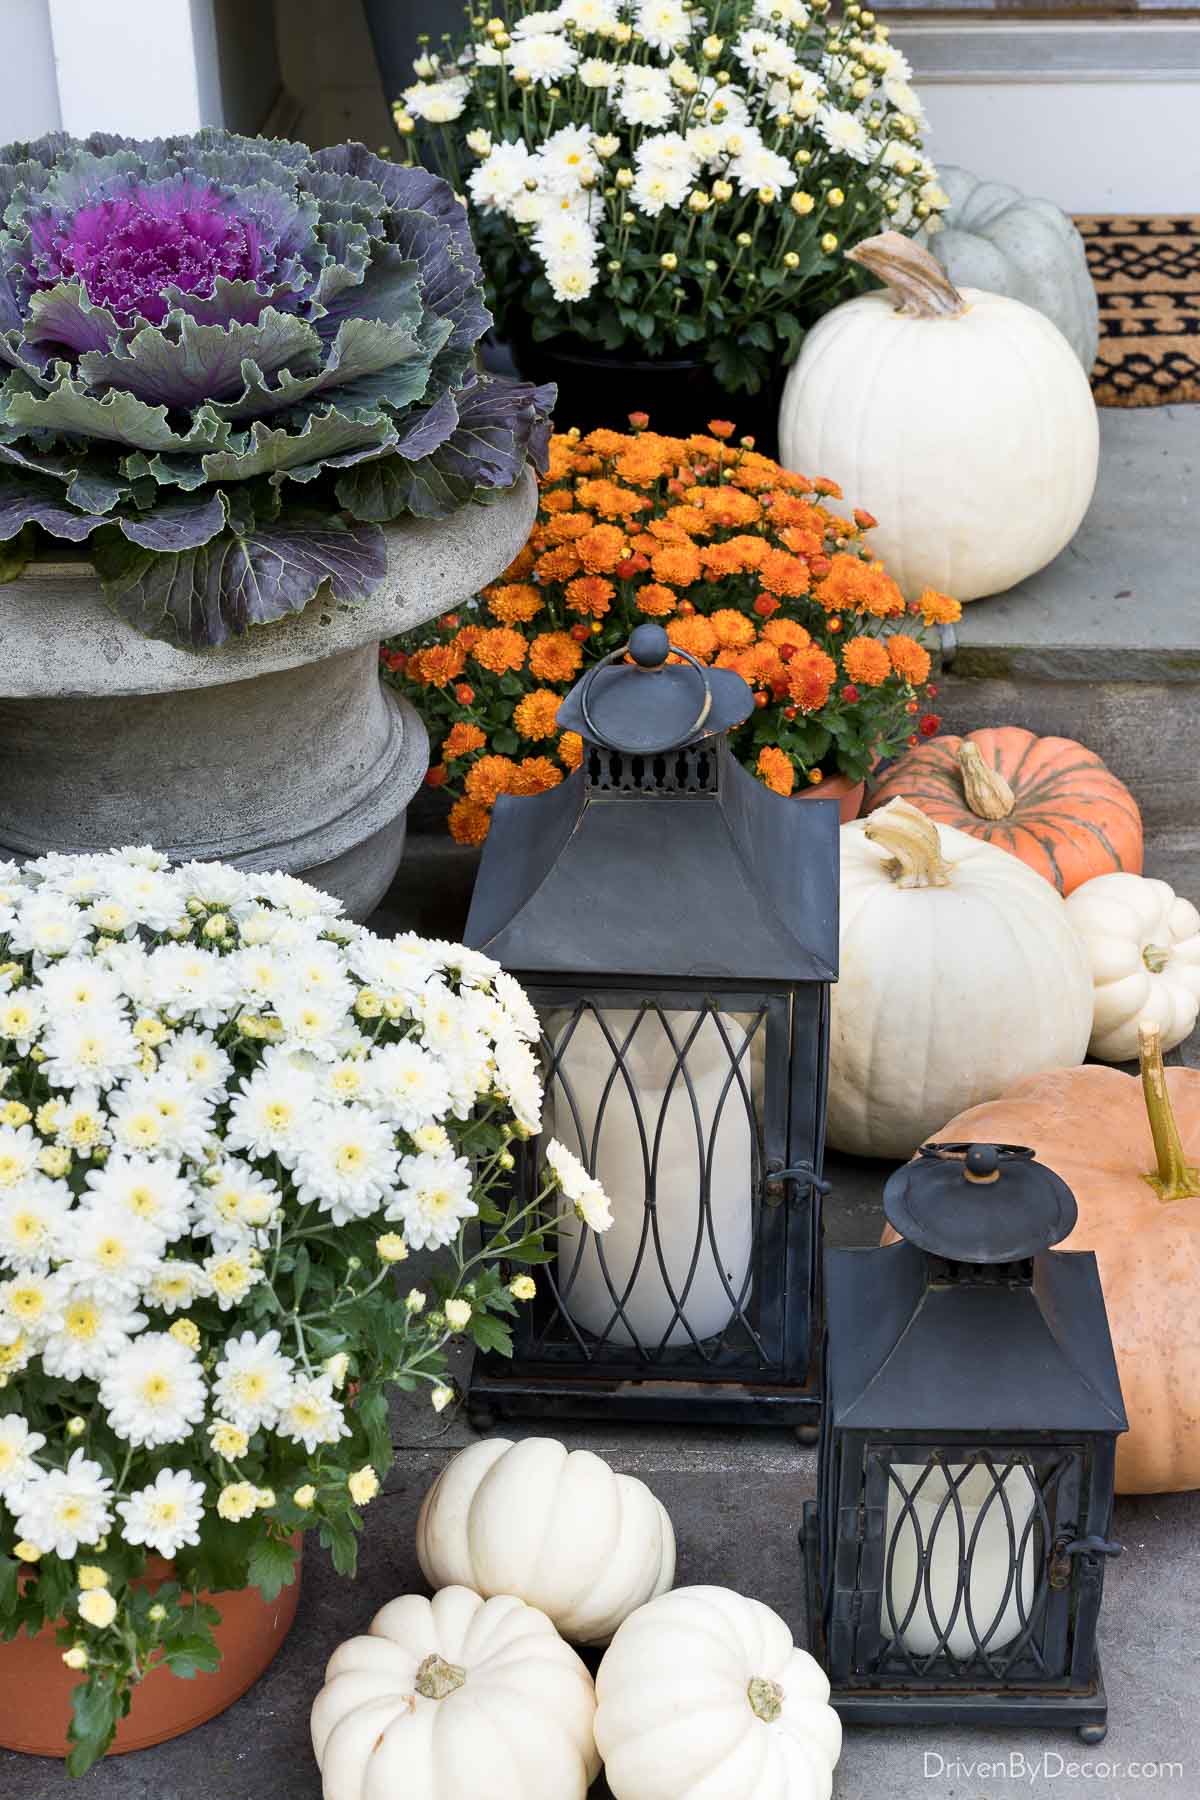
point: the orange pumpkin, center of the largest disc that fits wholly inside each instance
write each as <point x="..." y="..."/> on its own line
<point x="1122" y="1146"/>
<point x="1047" y="800"/>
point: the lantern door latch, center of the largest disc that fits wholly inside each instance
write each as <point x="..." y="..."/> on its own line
<point x="802" y="1173"/>
<point x="1060" y="1562"/>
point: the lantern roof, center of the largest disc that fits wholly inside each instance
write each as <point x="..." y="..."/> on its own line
<point x="719" y="879"/>
<point x="910" y="1352"/>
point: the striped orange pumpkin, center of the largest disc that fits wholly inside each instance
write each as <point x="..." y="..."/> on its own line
<point x="1045" y="799"/>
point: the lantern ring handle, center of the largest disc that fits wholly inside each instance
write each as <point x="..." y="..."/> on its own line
<point x="607" y="743"/>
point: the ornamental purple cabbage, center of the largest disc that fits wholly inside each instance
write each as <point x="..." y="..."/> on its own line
<point x="230" y="361"/>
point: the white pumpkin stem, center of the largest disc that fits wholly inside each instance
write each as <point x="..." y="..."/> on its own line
<point x="985" y="790"/>
<point x="916" y="281"/>
<point x="916" y="849"/>
<point x="1156" y="957"/>
<point x="437" y="1678"/>
<point x="766" y="1699"/>
<point x="1174" y="1178"/>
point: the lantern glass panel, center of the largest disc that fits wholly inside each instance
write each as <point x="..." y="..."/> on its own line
<point x="677" y="1104"/>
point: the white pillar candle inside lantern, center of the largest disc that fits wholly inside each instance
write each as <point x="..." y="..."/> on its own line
<point x="922" y="1543"/>
<point x="689" y="1137"/>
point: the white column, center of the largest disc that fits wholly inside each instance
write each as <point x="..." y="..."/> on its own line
<point x="28" y="86"/>
<point x="145" y="67"/>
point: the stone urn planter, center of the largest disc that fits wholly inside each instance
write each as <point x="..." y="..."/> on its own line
<point x="281" y="749"/>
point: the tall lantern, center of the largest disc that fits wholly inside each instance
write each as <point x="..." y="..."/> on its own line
<point x="955" y="1554"/>
<point x="675" y="925"/>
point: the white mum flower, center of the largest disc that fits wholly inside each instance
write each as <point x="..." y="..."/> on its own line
<point x="310" y="1415"/>
<point x="33" y="1215"/>
<point x="48" y="926"/>
<point x="904" y="98"/>
<point x="193" y="983"/>
<point x="758" y="167"/>
<point x="260" y="973"/>
<point x="166" y="1515"/>
<point x="315" y="1022"/>
<point x="843" y="132"/>
<point x="81" y="1124"/>
<point x="92" y="1049"/>
<point x="644" y="102"/>
<point x="234" y="1202"/>
<point x="406" y="1084"/>
<point x="110" y="1251"/>
<point x="434" y="1199"/>
<point x="79" y="984"/>
<point x="441" y="102"/>
<point x="765" y="55"/>
<point x="161" y="1115"/>
<point x="566" y="159"/>
<point x="583" y="1190"/>
<point x="518" y="1078"/>
<point x="31" y="1306"/>
<point x="891" y="61"/>
<point x="18" y="1448"/>
<point x="253" y="1380"/>
<point x="545" y="58"/>
<point x="781" y="12"/>
<point x="175" y="1285"/>
<point x="598" y="72"/>
<point x="269" y="1116"/>
<point x="347" y="1163"/>
<point x="18" y="1155"/>
<point x="654" y="190"/>
<point x="150" y="896"/>
<point x="538" y="24"/>
<point x="197" y="1056"/>
<point x="60" y="1509"/>
<point x="400" y="965"/>
<point x="212" y="883"/>
<point x="22" y="1015"/>
<point x="231" y="1275"/>
<point x="152" y="1189"/>
<point x="564" y="237"/>
<point x="494" y="185"/>
<point x="94" y="1333"/>
<point x="155" y="1392"/>
<point x="590" y="15"/>
<point x="299" y="898"/>
<point x="516" y="1003"/>
<point x="664" y="24"/>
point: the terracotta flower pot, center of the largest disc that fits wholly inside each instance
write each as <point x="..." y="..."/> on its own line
<point x="847" y="793"/>
<point x="35" y="1684"/>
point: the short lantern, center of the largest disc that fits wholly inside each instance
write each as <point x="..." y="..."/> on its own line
<point x="675" y="925"/>
<point x="955" y="1554"/>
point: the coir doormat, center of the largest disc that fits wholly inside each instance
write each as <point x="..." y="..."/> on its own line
<point x="1147" y="275"/>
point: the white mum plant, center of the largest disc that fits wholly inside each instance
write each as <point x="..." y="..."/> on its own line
<point x="226" y="1115"/>
<point x="658" y="178"/>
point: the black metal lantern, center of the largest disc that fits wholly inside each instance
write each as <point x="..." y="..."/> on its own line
<point x="955" y="1553"/>
<point x="675" y="925"/>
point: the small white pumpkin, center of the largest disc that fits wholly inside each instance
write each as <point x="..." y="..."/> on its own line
<point x="960" y="975"/>
<point x="1143" y="944"/>
<point x="963" y="422"/>
<point x="456" y="1697"/>
<point x="996" y="238"/>
<point x="559" y="1528"/>
<point x="703" y="1696"/>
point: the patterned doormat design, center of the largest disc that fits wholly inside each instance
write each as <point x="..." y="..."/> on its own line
<point x="1147" y="275"/>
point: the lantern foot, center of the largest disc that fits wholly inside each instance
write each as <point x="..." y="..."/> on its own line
<point x="481" y="1419"/>
<point x="1092" y="1734"/>
<point x="807" y="1434"/>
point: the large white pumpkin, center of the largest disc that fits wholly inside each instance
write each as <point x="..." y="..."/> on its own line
<point x="963" y="422"/>
<point x="703" y="1696"/>
<point x="453" y="1698"/>
<point x="960" y="975"/>
<point x="559" y="1528"/>
<point x="1143" y="944"/>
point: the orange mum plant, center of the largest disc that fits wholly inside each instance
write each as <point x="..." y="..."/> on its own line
<point x="744" y="564"/>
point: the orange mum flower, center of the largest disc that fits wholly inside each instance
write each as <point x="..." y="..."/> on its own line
<point x="559" y="564"/>
<point x="554" y="656"/>
<point x="938" y="609"/>
<point x="760" y="665"/>
<point x="535" y="774"/>
<point x="800" y="541"/>
<point x="500" y="650"/>
<point x="469" y="821"/>
<point x="570" y="749"/>
<point x="489" y="776"/>
<point x="754" y="472"/>
<point x="601" y="549"/>
<point x="560" y="457"/>
<point x="810" y="676"/>
<point x="776" y="769"/>
<point x="782" y="573"/>
<point x="644" y="462"/>
<point x="521" y="564"/>
<point x="566" y="527"/>
<point x="786" y="631"/>
<point x="468" y="637"/>
<point x="734" y="630"/>
<point x="728" y="506"/>
<point x="720" y="560"/>
<point x="437" y="665"/>
<point x="609" y="499"/>
<point x="695" y="634"/>
<point x="558" y="500"/>
<point x="535" y="715"/>
<point x="851" y="585"/>
<point x="909" y="658"/>
<point x="666" y="532"/>
<point x="513" y="602"/>
<point x="590" y="594"/>
<point x="655" y="600"/>
<point x="866" y="660"/>
<point x="722" y="428"/>
<point x="461" y="739"/>
<point x="676" y="564"/>
<point x="790" y="509"/>
<point x="689" y="519"/>
<point x="606" y="442"/>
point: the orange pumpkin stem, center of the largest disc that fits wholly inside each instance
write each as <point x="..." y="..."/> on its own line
<point x="916" y="849"/>
<point x="916" y="281"/>
<point x="1174" y="1178"/>
<point x="985" y="790"/>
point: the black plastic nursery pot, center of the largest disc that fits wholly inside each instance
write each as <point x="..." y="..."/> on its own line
<point x="678" y="394"/>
